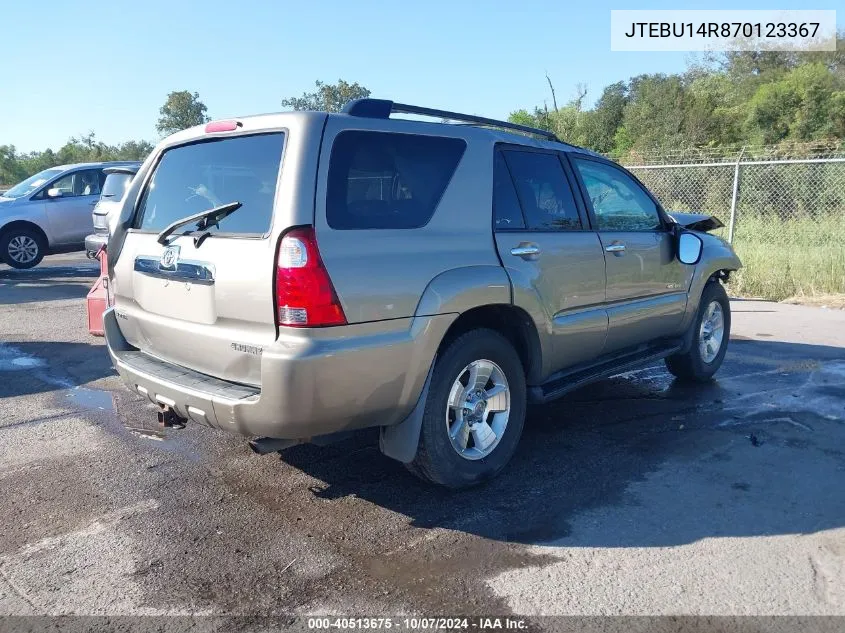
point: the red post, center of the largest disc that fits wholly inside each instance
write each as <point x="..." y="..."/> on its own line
<point x="98" y="297"/>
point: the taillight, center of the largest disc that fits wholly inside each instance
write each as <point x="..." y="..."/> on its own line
<point x="305" y="296"/>
<point x="100" y="221"/>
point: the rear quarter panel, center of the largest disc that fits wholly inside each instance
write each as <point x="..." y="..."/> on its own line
<point x="383" y="273"/>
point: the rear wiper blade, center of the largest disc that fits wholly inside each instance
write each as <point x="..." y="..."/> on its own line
<point x="203" y="219"/>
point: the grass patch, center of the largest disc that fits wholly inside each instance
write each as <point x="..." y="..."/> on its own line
<point x="801" y="257"/>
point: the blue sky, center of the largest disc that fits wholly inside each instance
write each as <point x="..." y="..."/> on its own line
<point x="107" y="66"/>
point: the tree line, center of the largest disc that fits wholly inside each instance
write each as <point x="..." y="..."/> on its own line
<point x="743" y="97"/>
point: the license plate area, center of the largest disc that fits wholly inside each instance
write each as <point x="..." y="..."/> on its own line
<point x="184" y="291"/>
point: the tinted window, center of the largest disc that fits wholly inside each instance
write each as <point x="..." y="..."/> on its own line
<point x="543" y="191"/>
<point x="506" y="209"/>
<point x="620" y="204"/>
<point x="193" y="178"/>
<point x="379" y="180"/>
<point x="79" y="183"/>
<point x="116" y="185"/>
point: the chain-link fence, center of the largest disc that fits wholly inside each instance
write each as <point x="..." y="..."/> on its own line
<point x="785" y="215"/>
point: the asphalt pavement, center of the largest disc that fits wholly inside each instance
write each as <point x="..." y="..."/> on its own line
<point x="637" y="495"/>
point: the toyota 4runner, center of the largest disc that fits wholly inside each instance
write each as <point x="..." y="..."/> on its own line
<point x="293" y="276"/>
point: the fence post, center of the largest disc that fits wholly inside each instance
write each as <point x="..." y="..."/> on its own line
<point x="734" y="197"/>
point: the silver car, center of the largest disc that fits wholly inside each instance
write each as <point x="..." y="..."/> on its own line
<point x="49" y="211"/>
<point x="291" y="277"/>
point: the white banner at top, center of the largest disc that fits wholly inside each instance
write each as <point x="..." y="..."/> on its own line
<point x="722" y="30"/>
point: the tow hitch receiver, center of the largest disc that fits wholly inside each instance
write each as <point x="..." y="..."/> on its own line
<point x="167" y="418"/>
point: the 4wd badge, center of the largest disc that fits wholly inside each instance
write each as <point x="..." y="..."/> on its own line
<point x="170" y="257"/>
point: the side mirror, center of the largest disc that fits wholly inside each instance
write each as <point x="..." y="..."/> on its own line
<point x="54" y="193"/>
<point x="689" y="248"/>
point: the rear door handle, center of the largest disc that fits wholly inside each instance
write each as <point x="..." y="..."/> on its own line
<point x="526" y="250"/>
<point x="617" y="248"/>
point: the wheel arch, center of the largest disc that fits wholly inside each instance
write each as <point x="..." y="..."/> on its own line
<point x="25" y="224"/>
<point x="400" y="441"/>
<point x="510" y="321"/>
<point x="718" y="261"/>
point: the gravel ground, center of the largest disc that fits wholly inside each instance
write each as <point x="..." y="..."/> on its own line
<point x="636" y="495"/>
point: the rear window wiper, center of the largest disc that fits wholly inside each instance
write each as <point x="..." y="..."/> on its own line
<point x="204" y="219"/>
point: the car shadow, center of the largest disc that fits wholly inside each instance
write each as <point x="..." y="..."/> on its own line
<point x="28" y="367"/>
<point x="46" y="283"/>
<point x="641" y="459"/>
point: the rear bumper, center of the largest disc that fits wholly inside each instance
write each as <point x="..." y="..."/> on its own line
<point x="95" y="241"/>
<point x="310" y="386"/>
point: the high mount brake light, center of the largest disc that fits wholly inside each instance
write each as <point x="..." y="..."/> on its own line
<point x="222" y="126"/>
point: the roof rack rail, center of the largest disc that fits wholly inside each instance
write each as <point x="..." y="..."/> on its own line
<point x="383" y="108"/>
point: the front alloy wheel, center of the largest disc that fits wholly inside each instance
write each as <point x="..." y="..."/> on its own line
<point x="711" y="332"/>
<point x="22" y="248"/>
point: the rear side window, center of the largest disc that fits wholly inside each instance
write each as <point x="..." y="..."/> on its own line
<point x="115" y="185"/>
<point x="193" y="178"/>
<point x="382" y="180"/>
<point x="543" y="191"/>
<point x="506" y="210"/>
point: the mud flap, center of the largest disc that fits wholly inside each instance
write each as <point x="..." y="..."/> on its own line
<point x="400" y="441"/>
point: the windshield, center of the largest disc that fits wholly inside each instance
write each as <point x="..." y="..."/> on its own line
<point x="194" y="178"/>
<point x="32" y="183"/>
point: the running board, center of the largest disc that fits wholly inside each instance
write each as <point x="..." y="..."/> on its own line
<point x="562" y="383"/>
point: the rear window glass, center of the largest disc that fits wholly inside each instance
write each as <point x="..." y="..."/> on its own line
<point x="193" y="178"/>
<point x="115" y="186"/>
<point x="382" y="180"/>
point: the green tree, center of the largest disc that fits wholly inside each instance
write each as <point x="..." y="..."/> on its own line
<point x="327" y="97"/>
<point x="607" y="117"/>
<point x="180" y="111"/>
<point x="711" y="112"/>
<point x="654" y="114"/>
<point x="11" y="170"/>
<point x="803" y="105"/>
<point x="133" y="150"/>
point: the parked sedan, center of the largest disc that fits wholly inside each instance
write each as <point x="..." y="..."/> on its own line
<point x="49" y="211"/>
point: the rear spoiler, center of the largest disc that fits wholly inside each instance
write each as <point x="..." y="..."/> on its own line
<point x="123" y="169"/>
<point x="696" y="221"/>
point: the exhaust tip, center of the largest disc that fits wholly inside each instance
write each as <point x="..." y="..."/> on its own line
<point x="264" y="445"/>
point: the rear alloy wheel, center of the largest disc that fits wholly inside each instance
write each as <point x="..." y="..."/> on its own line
<point x="711" y="332"/>
<point x="22" y="248"/>
<point x="478" y="409"/>
<point x="474" y="412"/>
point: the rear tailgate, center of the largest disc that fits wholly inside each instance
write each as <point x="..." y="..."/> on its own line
<point x="207" y="304"/>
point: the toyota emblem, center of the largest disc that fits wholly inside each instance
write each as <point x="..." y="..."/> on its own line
<point x="170" y="257"/>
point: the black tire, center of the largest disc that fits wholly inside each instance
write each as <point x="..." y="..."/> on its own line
<point x="31" y="236"/>
<point x="691" y="366"/>
<point x="437" y="460"/>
